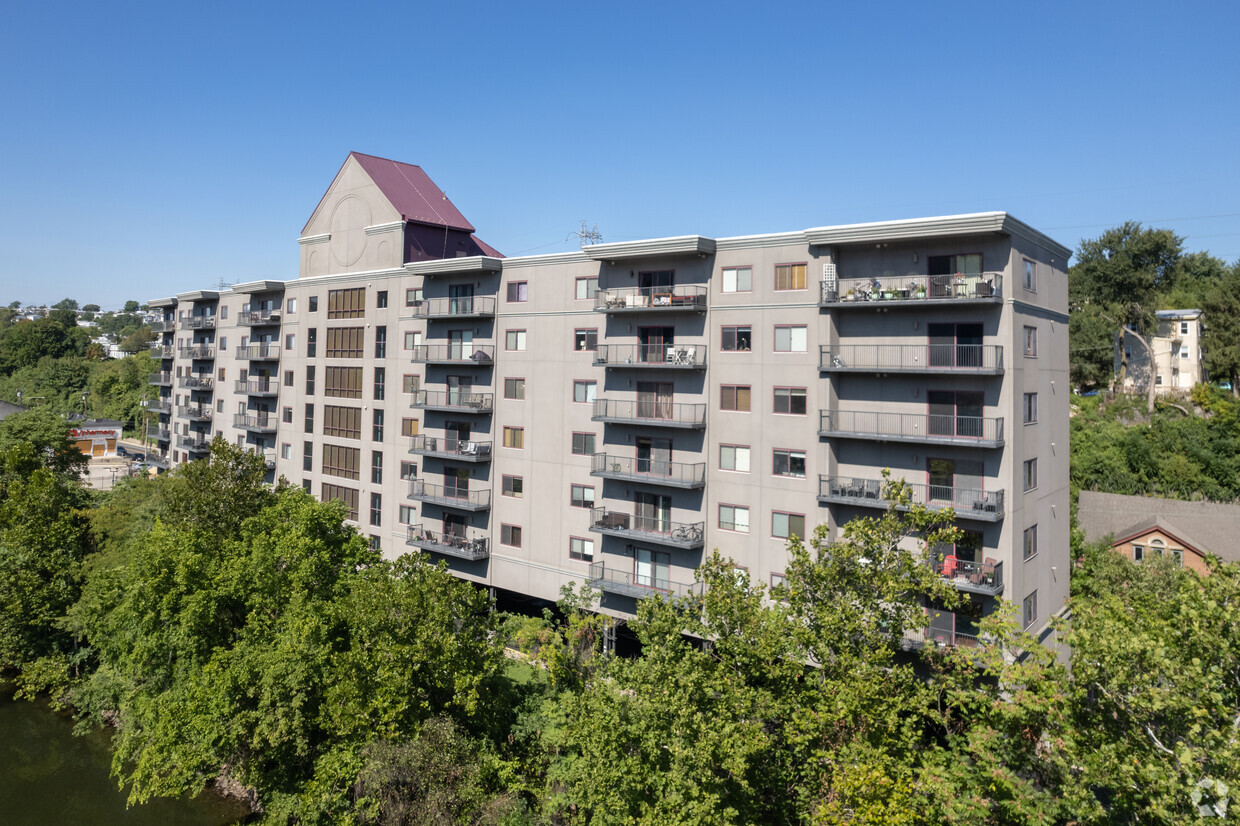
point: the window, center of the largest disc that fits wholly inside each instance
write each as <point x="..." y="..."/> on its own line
<point x="286" y="450"/>
<point x="582" y="496"/>
<point x="408" y="470"/>
<point x="585" y="339"/>
<point x="518" y="290"/>
<point x="291" y="304"/>
<point x="510" y="535"/>
<point x="789" y="463"/>
<point x="1183" y="351"/>
<point x="1178" y="555"/>
<point x="734" y="457"/>
<point x="1031" y="542"/>
<point x="221" y="374"/>
<point x="1031" y="474"/>
<point x="310" y="380"/>
<point x="587" y="286"/>
<point x="309" y="418"/>
<point x="514" y="437"/>
<point x="734" y="518"/>
<point x="1031" y="408"/>
<point x="583" y="444"/>
<point x="381" y="342"/>
<point x="1031" y="276"/>
<point x="342" y="382"/>
<point x="734" y="397"/>
<point x="312" y="342"/>
<point x="409" y="383"/>
<point x="290" y="341"/>
<point x="413" y="338"/>
<point x="787" y="525"/>
<point x="413" y="297"/>
<point x="737" y="279"/>
<point x="1031" y="342"/>
<point x="307" y="455"/>
<point x="790" y="276"/>
<point x="305" y="484"/>
<point x="407" y="514"/>
<point x="346" y="495"/>
<point x="287" y="415"/>
<point x="342" y="422"/>
<point x="223" y="317"/>
<point x="790" y="400"/>
<point x="380" y="383"/>
<point x="581" y="549"/>
<point x="583" y="391"/>
<point x="1138" y="553"/>
<point x="790" y="339"/>
<point x="314" y="303"/>
<point x="376" y="510"/>
<point x="223" y="344"/>
<point x="409" y="427"/>
<point x="376" y="467"/>
<point x="288" y="378"/>
<point x="381" y="299"/>
<point x="514" y="340"/>
<point x="341" y="461"/>
<point x="1029" y="609"/>
<point x="1183" y="328"/>
<point x="349" y="303"/>
<point x="376" y="433"/>
<point x="345" y="342"/>
<point x="513" y="486"/>
<point x="1158" y="379"/>
<point x="734" y="339"/>
<point x="514" y="388"/>
<point x="778" y="580"/>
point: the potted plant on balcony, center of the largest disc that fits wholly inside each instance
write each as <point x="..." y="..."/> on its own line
<point x="919" y="291"/>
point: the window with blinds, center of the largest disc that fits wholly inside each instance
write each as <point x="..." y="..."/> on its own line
<point x="346" y="303"/>
<point x="342" y="422"/>
<point x="341" y="461"/>
<point x="345" y="342"/>
<point x="343" y="382"/>
<point x="347" y="495"/>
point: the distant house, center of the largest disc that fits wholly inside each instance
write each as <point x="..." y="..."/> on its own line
<point x="1178" y="362"/>
<point x="1143" y="526"/>
<point x="8" y="409"/>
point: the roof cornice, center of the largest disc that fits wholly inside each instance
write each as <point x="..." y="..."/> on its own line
<point x="251" y="287"/>
<point x="472" y="263"/>
<point x="976" y="223"/>
<point x="162" y="302"/>
<point x="199" y="295"/>
<point x="315" y="239"/>
<point x="549" y="259"/>
<point x="652" y="248"/>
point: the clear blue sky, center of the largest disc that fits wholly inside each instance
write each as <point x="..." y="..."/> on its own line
<point x="151" y="149"/>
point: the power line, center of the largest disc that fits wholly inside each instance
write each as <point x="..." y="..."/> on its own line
<point x="1152" y="221"/>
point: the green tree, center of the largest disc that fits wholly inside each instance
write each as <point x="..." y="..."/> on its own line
<point x="131" y="306"/>
<point x="1222" y="323"/>
<point x="47" y="436"/>
<point x="1091" y="337"/>
<point x="65" y="304"/>
<point x="91" y="308"/>
<point x="1123" y="270"/>
<point x="25" y="343"/>
<point x="137" y="341"/>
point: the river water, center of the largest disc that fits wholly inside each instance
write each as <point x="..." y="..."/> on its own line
<point x="49" y="777"/>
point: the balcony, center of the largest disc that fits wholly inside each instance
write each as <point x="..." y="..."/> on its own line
<point x="969" y="359"/>
<point x="968" y="503"/>
<point x="947" y="628"/>
<point x="916" y="428"/>
<point x="257" y="387"/>
<point x="681" y="298"/>
<point x="197" y="382"/>
<point x="654" y="413"/>
<point x="449" y="544"/>
<point x="651" y="471"/>
<point x="257" y="318"/>
<point x="448" y="448"/>
<point x="194" y="443"/>
<point x="159" y="434"/>
<point x="256" y="423"/>
<point x="195" y="413"/>
<point x="259" y="352"/>
<point x="662" y="356"/>
<point x="688" y="535"/>
<point x="482" y="306"/>
<point x="162" y="379"/>
<point x="155" y="460"/>
<point x="457" y="401"/>
<point x="966" y="575"/>
<point x="460" y="498"/>
<point x="167" y="351"/>
<point x="163" y="326"/>
<point x="159" y="406"/>
<point x="465" y="355"/>
<point x="198" y="351"/>
<point x="200" y="322"/>
<point x="913" y="291"/>
<point x="638" y="586"/>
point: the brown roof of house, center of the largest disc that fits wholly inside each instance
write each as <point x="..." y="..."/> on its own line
<point x="412" y="192"/>
<point x="1215" y="527"/>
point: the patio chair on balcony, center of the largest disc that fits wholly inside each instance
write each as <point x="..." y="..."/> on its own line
<point x="872" y="489"/>
<point x="984" y="575"/>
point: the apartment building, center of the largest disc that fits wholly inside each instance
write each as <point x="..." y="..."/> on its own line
<point x="611" y="415"/>
<point x="1178" y="360"/>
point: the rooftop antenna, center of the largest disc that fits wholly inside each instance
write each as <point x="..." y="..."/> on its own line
<point x="223" y="285"/>
<point x="586" y="236"/>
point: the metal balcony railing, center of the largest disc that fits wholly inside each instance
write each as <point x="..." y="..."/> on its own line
<point x="648" y="528"/>
<point x="969" y="503"/>
<point x="269" y="350"/>
<point x="256" y="318"/>
<point x="163" y="326"/>
<point x="471" y="500"/>
<point x="464" y="401"/>
<point x="923" y="428"/>
<point x="638" y="586"/>
<point x="161" y="434"/>
<point x="196" y="444"/>
<point x="450" y="544"/>
<point x="200" y="322"/>
<point x="198" y="351"/>
<point x="258" y="422"/>
<point x="946" y="628"/>
<point x="982" y="287"/>
<point x="656" y="413"/>
<point x="161" y="378"/>
<point x="967" y="575"/>
<point x="196" y="382"/>
<point x="166" y="351"/>
<point x="196" y="413"/>
<point x="450" y="448"/>
<point x="479" y="355"/>
<point x="481" y="306"/>
<point x="678" y="356"/>
<point x="912" y="358"/>
<point x="651" y="299"/>
<point x="257" y="387"/>
<point x="156" y="460"/>
<point x="159" y="406"/>
<point x="652" y="471"/>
